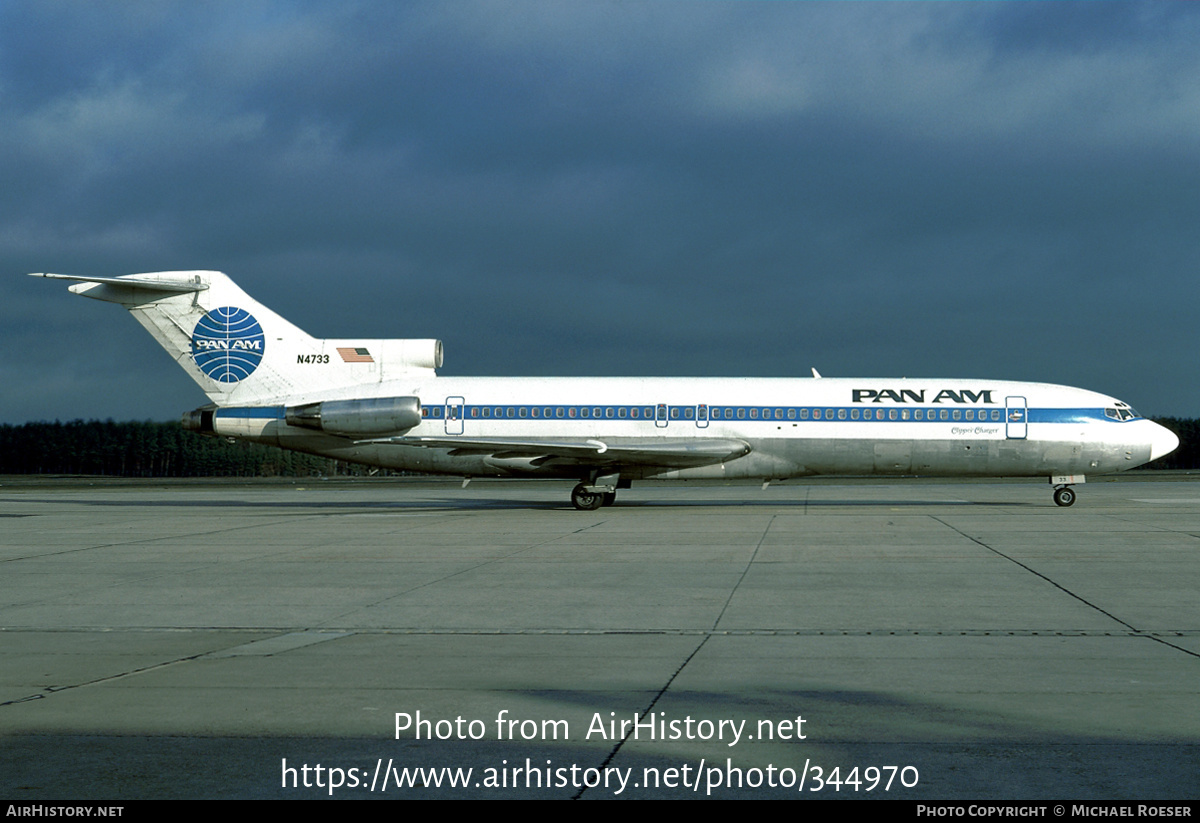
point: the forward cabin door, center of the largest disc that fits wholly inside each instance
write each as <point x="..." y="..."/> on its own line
<point x="1016" y="418"/>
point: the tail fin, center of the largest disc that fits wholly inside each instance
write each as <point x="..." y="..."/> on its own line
<point x="242" y="353"/>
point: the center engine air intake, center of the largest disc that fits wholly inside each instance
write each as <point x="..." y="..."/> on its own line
<point x="370" y="416"/>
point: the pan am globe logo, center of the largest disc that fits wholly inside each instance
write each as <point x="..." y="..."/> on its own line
<point x="228" y="344"/>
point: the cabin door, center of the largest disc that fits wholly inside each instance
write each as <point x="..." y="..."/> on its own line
<point x="1016" y="422"/>
<point x="454" y="415"/>
<point x="660" y="416"/>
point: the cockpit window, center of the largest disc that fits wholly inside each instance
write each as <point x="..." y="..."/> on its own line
<point x="1121" y="412"/>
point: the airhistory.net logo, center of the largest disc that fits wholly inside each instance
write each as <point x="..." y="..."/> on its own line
<point x="228" y="344"/>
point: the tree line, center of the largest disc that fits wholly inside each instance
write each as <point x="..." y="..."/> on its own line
<point x="148" y="449"/>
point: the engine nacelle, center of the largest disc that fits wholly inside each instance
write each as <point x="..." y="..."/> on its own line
<point x="365" y="417"/>
<point x="420" y="354"/>
<point x="200" y="420"/>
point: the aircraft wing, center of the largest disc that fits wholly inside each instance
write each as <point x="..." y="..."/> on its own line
<point x="668" y="453"/>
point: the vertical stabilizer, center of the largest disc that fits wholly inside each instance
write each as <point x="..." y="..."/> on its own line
<point x="239" y="351"/>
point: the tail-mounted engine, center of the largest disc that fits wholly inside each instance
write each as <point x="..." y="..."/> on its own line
<point x="370" y="416"/>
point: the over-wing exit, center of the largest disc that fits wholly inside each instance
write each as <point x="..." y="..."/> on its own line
<point x="381" y="403"/>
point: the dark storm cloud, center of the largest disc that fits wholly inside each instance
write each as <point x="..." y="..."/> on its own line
<point x="997" y="189"/>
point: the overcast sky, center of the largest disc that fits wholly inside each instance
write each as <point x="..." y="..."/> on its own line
<point x="999" y="190"/>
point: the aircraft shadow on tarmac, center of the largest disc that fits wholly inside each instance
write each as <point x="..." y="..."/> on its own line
<point x="954" y="754"/>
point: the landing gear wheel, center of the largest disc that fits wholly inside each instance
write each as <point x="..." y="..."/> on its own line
<point x="609" y="498"/>
<point x="1064" y="496"/>
<point x="586" y="501"/>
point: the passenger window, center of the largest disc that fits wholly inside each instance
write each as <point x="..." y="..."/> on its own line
<point x="804" y="414"/>
<point x="841" y="414"/>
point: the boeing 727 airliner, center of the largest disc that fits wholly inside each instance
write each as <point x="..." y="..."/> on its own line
<point x="381" y="403"/>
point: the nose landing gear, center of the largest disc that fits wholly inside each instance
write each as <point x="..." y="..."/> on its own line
<point x="1064" y="496"/>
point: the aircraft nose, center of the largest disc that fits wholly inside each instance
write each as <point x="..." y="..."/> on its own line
<point x="1162" y="441"/>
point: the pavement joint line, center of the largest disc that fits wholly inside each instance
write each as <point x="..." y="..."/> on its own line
<point x="749" y="563"/>
<point x="1034" y="571"/>
<point x="483" y="564"/>
<point x="648" y="710"/>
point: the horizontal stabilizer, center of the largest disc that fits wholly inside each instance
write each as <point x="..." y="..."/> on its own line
<point x="140" y="282"/>
<point x="667" y="453"/>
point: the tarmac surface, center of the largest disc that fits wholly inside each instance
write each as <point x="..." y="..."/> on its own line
<point x="939" y="640"/>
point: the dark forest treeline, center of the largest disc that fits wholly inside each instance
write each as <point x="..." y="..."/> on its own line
<point x="149" y="449"/>
<point x="165" y="450"/>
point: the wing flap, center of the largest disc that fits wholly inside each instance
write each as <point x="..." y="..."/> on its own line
<point x="669" y="453"/>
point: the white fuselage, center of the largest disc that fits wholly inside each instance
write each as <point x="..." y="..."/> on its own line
<point x="792" y="426"/>
<point x="380" y="402"/>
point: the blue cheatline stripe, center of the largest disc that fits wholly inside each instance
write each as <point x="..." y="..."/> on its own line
<point x="766" y="414"/>
<point x="720" y="414"/>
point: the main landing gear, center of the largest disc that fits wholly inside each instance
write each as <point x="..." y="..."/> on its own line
<point x="587" y="501"/>
<point x="599" y="491"/>
<point x="1064" y="496"/>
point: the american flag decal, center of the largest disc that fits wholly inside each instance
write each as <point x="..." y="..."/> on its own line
<point x="355" y="356"/>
